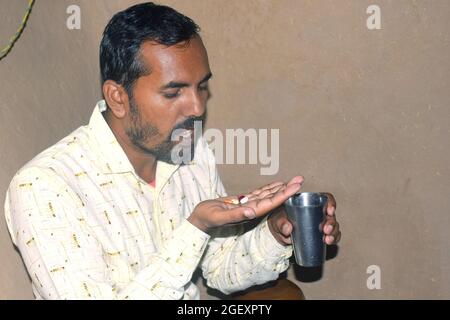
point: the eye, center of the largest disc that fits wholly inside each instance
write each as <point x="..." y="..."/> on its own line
<point x="171" y="95"/>
<point x="203" y="87"/>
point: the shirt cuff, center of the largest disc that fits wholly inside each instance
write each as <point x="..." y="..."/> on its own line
<point x="270" y="247"/>
<point x="186" y="246"/>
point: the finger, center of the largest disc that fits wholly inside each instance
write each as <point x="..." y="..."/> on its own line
<point x="329" y="240"/>
<point x="251" y="197"/>
<point x="286" y="240"/>
<point x="272" y="185"/>
<point x="333" y="239"/>
<point x="264" y="194"/>
<point x="331" y="204"/>
<point x="271" y="192"/>
<point x="277" y="188"/>
<point x="296" y="179"/>
<point x="329" y="226"/>
<point x="336" y="230"/>
<point x="331" y="211"/>
<point x="286" y="229"/>
<point x="283" y="225"/>
<point x="282" y="239"/>
<point x="268" y="186"/>
<point x="263" y="206"/>
<point x="277" y="184"/>
<point x="327" y="221"/>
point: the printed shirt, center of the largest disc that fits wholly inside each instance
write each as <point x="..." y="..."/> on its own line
<point x="88" y="227"/>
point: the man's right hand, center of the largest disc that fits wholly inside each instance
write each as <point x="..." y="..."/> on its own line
<point x="215" y="213"/>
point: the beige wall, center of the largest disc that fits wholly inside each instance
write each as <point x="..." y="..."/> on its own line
<point x="363" y="114"/>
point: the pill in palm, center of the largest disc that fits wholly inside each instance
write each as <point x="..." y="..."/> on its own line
<point x="243" y="199"/>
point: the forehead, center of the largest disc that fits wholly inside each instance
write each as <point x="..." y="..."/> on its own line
<point x="187" y="61"/>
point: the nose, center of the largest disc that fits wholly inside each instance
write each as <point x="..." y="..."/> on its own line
<point x="196" y="105"/>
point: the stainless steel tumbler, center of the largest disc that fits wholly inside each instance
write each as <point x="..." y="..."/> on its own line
<point x="306" y="211"/>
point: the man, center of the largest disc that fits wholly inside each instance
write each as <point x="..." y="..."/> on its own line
<point x="106" y="213"/>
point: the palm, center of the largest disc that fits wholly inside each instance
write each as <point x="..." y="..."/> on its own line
<point x="267" y="198"/>
<point x="225" y="211"/>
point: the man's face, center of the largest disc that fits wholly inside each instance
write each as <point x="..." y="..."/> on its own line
<point x="172" y="96"/>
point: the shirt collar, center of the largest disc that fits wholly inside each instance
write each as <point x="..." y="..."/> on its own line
<point x="115" y="159"/>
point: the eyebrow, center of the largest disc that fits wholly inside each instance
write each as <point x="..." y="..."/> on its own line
<point x="175" y="84"/>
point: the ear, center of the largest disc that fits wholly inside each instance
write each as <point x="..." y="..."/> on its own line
<point x="116" y="97"/>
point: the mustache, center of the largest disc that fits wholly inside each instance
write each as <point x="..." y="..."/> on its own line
<point x="189" y="123"/>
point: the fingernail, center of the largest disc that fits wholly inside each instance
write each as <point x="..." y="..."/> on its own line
<point x="249" y="214"/>
<point x="329" y="228"/>
<point x="285" y="229"/>
<point x="331" y="238"/>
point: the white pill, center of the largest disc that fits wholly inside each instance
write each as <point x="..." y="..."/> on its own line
<point x="244" y="200"/>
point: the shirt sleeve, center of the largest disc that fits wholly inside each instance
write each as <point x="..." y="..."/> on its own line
<point x="65" y="261"/>
<point x="234" y="259"/>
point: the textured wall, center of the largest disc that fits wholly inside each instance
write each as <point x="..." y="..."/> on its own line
<point x="363" y="114"/>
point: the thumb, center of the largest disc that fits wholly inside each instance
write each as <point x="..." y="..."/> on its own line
<point x="238" y="214"/>
<point x="286" y="229"/>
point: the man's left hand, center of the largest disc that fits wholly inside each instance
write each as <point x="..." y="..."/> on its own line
<point x="281" y="228"/>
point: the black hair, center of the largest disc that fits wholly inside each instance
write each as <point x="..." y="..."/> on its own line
<point x="127" y="30"/>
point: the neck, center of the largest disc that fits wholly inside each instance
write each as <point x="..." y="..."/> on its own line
<point x="144" y="164"/>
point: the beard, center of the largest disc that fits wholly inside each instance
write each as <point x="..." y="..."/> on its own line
<point x="141" y="133"/>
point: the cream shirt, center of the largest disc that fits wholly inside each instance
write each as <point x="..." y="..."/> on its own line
<point x="88" y="227"/>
